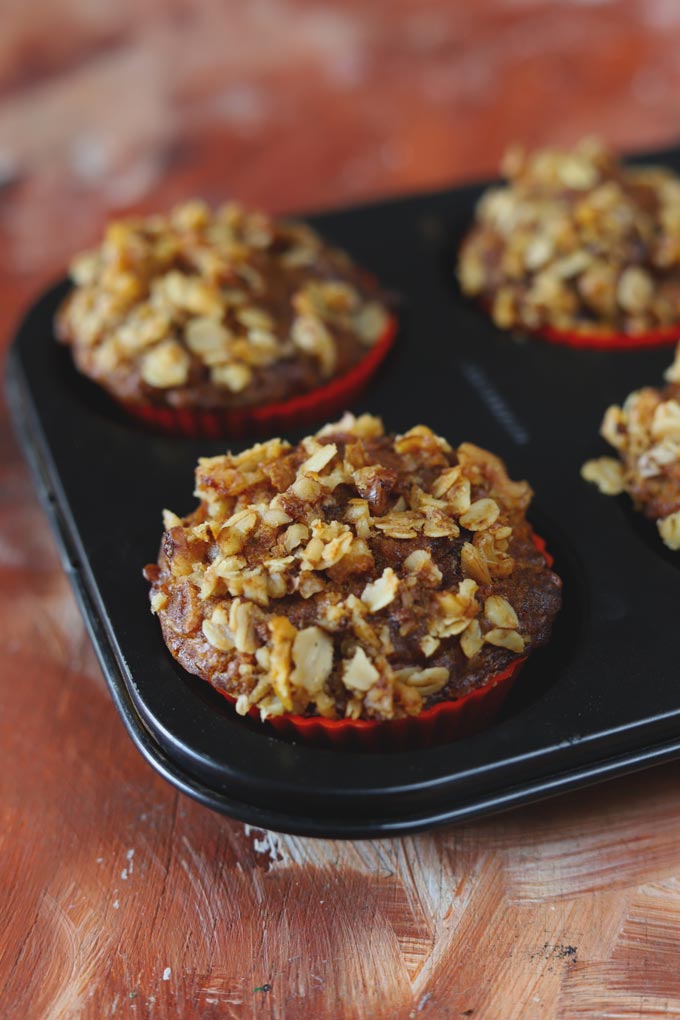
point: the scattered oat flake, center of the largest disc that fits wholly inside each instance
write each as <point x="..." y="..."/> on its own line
<point x="606" y="473"/>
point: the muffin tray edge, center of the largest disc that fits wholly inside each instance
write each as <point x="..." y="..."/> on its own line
<point x="577" y="718"/>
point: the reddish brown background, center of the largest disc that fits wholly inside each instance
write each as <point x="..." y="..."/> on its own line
<point x="119" y="897"/>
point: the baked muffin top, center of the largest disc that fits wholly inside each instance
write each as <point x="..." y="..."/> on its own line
<point x="357" y="574"/>
<point x="229" y="308"/>
<point x="576" y="240"/>
<point x="645" y="432"/>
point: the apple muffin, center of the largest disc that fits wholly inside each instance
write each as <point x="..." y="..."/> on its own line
<point x="355" y="576"/>
<point x="199" y="320"/>
<point x="577" y="245"/>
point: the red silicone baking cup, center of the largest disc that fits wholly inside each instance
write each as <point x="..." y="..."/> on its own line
<point x="443" y="722"/>
<point x="448" y="720"/>
<point x="320" y="403"/>
<point x="601" y="340"/>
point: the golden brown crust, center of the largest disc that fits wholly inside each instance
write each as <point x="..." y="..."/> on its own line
<point x="216" y="309"/>
<point x="356" y="574"/>
<point x="645" y="432"/>
<point x="577" y="241"/>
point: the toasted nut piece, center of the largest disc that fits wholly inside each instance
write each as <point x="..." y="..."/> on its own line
<point x="327" y="546"/>
<point x="309" y="584"/>
<point x="370" y="323"/>
<point x="417" y="560"/>
<point x="145" y="325"/>
<point x="242" y="620"/>
<point x="359" y="515"/>
<point x="255" y="318"/>
<point x="295" y="536"/>
<point x="319" y="459"/>
<point x="366" y="426"/>
<point x="234" y="377"/>
<point x="380" y="593"/>
<point x="357" y="560"/>
<point x="159" y="600"/>
<point x="653" y="461"/>
<point x="421" y="439"/>
<point x="191" y="294"/>
<point x="669" y="529"/>
<point x="311" y="336"/>
<point x="307" y="489"/>
<point x="251" y="584"/>
<point x="171" y="520"/>
<point x="216" y="630"/>
<point x="283" y="634"/>
<point x="613" y="427"/>
<point x="635" y="289"/>
<point x="313" y="659"/>
<point x="85" y="267"/>
<point x="165" y="366"/>
<point x="503" y="308"/>
<point x="577" y="172"/>
<point x="429" y="645"/>
<point x="666" y="420"/>
<point x="275" y="517"/>
<point x="428" y="681"/>
<point x="191" y="215"/>
<point x="540" y="251"/>
<point x="338" y="296"/>
<point x="455" y="610"/>
<point x="209" y="339"/>
<point x="359" y="673"/>
<point x="421" y="563"/>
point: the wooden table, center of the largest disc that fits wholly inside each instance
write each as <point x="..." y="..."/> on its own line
<point x="121" y="898"/>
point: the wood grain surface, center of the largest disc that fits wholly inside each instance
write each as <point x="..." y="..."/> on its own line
<point x="119" y="897"/>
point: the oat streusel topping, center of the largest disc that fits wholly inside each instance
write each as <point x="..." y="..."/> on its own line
<point x="225" y="307"/>
<point x="356" y="575"/>
<point x="645" y="432"/>
<point x="575" y="240"/>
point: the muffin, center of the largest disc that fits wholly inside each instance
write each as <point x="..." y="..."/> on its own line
<point x="210" y="323"/>
<point x="579" y="248"/>
<point x="645" y="432"/>
<point x="355" y="580"/>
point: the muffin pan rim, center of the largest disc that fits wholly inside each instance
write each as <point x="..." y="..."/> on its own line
<point x="516" y="789"/>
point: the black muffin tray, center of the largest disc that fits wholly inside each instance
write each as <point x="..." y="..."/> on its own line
<point x="602" y="699"/>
